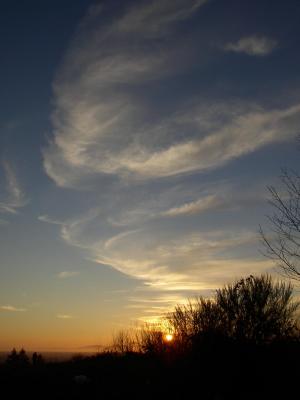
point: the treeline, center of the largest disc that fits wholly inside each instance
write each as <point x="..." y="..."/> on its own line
<point x="20" y="359"/>
<point x="242" y="343"/>
<point x="252" y="311"/>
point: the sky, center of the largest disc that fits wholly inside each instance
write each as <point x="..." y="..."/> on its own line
<point x="137" y="142"/>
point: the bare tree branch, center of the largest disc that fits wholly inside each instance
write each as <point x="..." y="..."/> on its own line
<point x="283" y="244"/>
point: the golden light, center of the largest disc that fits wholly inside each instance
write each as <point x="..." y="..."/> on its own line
<point x="168" y="337"/>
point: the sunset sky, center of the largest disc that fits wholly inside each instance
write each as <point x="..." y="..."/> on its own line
<point x="138" y="139"/>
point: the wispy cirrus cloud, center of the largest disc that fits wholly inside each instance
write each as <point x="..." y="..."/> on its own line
<point x="104" y="123"/>
<point x="125" y="129"/>
<point x="170" y="260"/>
<point x="253" y="45"/>
<point x="11" y="308"/>
<point x="14" y="197"/>
<point x="108" y="114"/>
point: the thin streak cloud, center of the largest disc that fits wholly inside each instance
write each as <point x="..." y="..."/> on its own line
<point x="11" y="308"/>
<point x="64" y="316"/>
<point x="195" y="207"/>
<point x="49" y="220"/>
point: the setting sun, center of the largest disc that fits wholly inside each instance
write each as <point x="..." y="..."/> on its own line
<point x="168" y="337"/>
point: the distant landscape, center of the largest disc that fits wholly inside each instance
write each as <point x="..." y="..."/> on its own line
<point x="51" y="356"/>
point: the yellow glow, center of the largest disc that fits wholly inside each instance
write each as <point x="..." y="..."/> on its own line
<point x="169" y="337"/>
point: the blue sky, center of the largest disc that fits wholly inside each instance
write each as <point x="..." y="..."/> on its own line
<point x="137" y="142"/>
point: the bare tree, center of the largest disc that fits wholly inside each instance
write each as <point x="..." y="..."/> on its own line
<point x="283" y="244"/>
<point x="123" y="342"/>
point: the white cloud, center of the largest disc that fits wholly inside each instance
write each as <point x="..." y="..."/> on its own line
<point x="12" y="308"/>
<point x="253" y="46"/>
<point x="67" y="274"/>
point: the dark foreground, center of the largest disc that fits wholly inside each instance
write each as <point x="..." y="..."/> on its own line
<point x="215" y="372"/>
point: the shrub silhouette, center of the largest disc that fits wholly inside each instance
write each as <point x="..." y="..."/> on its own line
<point x="150" y="339"/>
<point x="254" y="310"/>
<point x="257" y="310"/>
<point x="147" y="338"/>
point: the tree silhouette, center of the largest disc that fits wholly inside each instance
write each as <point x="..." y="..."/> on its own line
<point x="257" y="310"/>
<point x="253" y="309"/>
<point x="37" y="360"/>
<point x="197" y="319"/>
<point x="13" y="357"/>
<point x="16" y="359"/>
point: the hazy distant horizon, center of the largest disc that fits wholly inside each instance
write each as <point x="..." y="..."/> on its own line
<point x="137" y="142"/>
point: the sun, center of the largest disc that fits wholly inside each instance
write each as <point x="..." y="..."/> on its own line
<point x="169" y="337"/>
